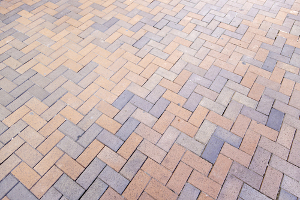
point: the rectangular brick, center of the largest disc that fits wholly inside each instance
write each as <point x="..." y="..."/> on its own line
<point x="250" y="142"/>
<point x="144" y="117"/>
<point x="156" y="171"/>
<point x="220" y="169"/>
<point x="148" y="133"/>
<point x="26" y="175"/>
<point x="136" y="186"/>
<point x="184" y="126"/>
<point x="163" y="122"/>
<point x="15" y="116"/>
<point x="69" y="166"/>
<point x="10" y="148"/>
<point x="197" y="163"/>
<point x="111" y="158"/>
<point x="241" y="125"/>
<point x="48" y="161"/>
<point x="173" y="157"/>
<point x="246" y="175"/>
<point x="263" y="130"/>
<point x="236" y="154"/>
<point x="271" y="182"/>
<point x="41" y="187"/>
<point x="159" y="191"/>
<point x="90" y="173"/>
<point x="114" y="180"/>
<point x="130" y="145"/>
<point x="90" y="153"/>
<point x="231" y="188"/>
<point x="152" y="151"/>
<point x="205" y="184"/>
<point x="179" y="177"/>
<point x="108" y="123"/>
<point x="219" y="120"/>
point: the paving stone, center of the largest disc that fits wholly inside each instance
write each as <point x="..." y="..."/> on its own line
<point x="286" y="195"/>
<point x="125" y="113"/>
<point x="248" y="193"/>
<point x="68" y="187"/>
<point x="159" y="107"/>
<point x="252" y="114"/>
<point x="285" y="167"/>
<point x="89" y="135"/>
<point x="71" y="130"/>
<point x="265" y="104"/>
<point x="70" y="147"/>
<point x="189" y="143"/>
<point x="231" y="188"/>
<point x="228" y="137"/>
<point x="52" y="194"/>
<point x="133" y="165"/>
<point x="141" y="103"/>
<point x="294" y="59"/>
<point x="275" y="119"/>
<point x="96" y="190"/>
<point x="260" y="161"/>
<point x="7" y="184"/>
<point x="123" y="99"/>
<point x="110" y="140"/>
<point x="113" y="179"/>
<point x="212" y="149"/>
<point x="20" y="192"/>
<point x="90" y="173"/>
<point x="5" y="98"/>
<point x="129" y="126"/>
<point x="189" y="192"/>
<point x="218" y="84"/>
<point x="246" y="175"/>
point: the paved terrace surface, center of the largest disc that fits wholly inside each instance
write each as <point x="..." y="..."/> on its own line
<point x="142" y="99"/>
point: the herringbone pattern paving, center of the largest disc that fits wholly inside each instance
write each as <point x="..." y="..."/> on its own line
<point x="149" y="99"/>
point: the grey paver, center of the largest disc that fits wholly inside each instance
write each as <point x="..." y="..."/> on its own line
<point x="253" y="114"/>
<point x="190" y="143"/>
<point x="212" y="149"/>
<point x="129" y="126"/>
<point x="228" y="137"/>
<point x="133" y="165"/>
<point x="110" y="140"/>
<point x="189" y="192"/>
<point x="275" y="119"/>
<point x="123" y="99"/>
<point x="68" y="187"/>
<point x="90" y="173"/>
<point x="89" y="135"/>
<point x="187" y="89"/>
<point x="246" y="175"/>
<point x="284" y="195"/>
<point x="95" y="191"/>
<point x="141" y="103"/>
<point x="114" y="179"/>
<point x="19" y="192"/>
<point x="192" y="102"/>
<point x="248" y="193"/>
<point x="159" y="107"/>
<point x="70" y="147"/>
<point x="260" y="161"/>
<point x="52" y="194"/>
<point x="71" y="130"/>
<point x="7" y="184"/>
